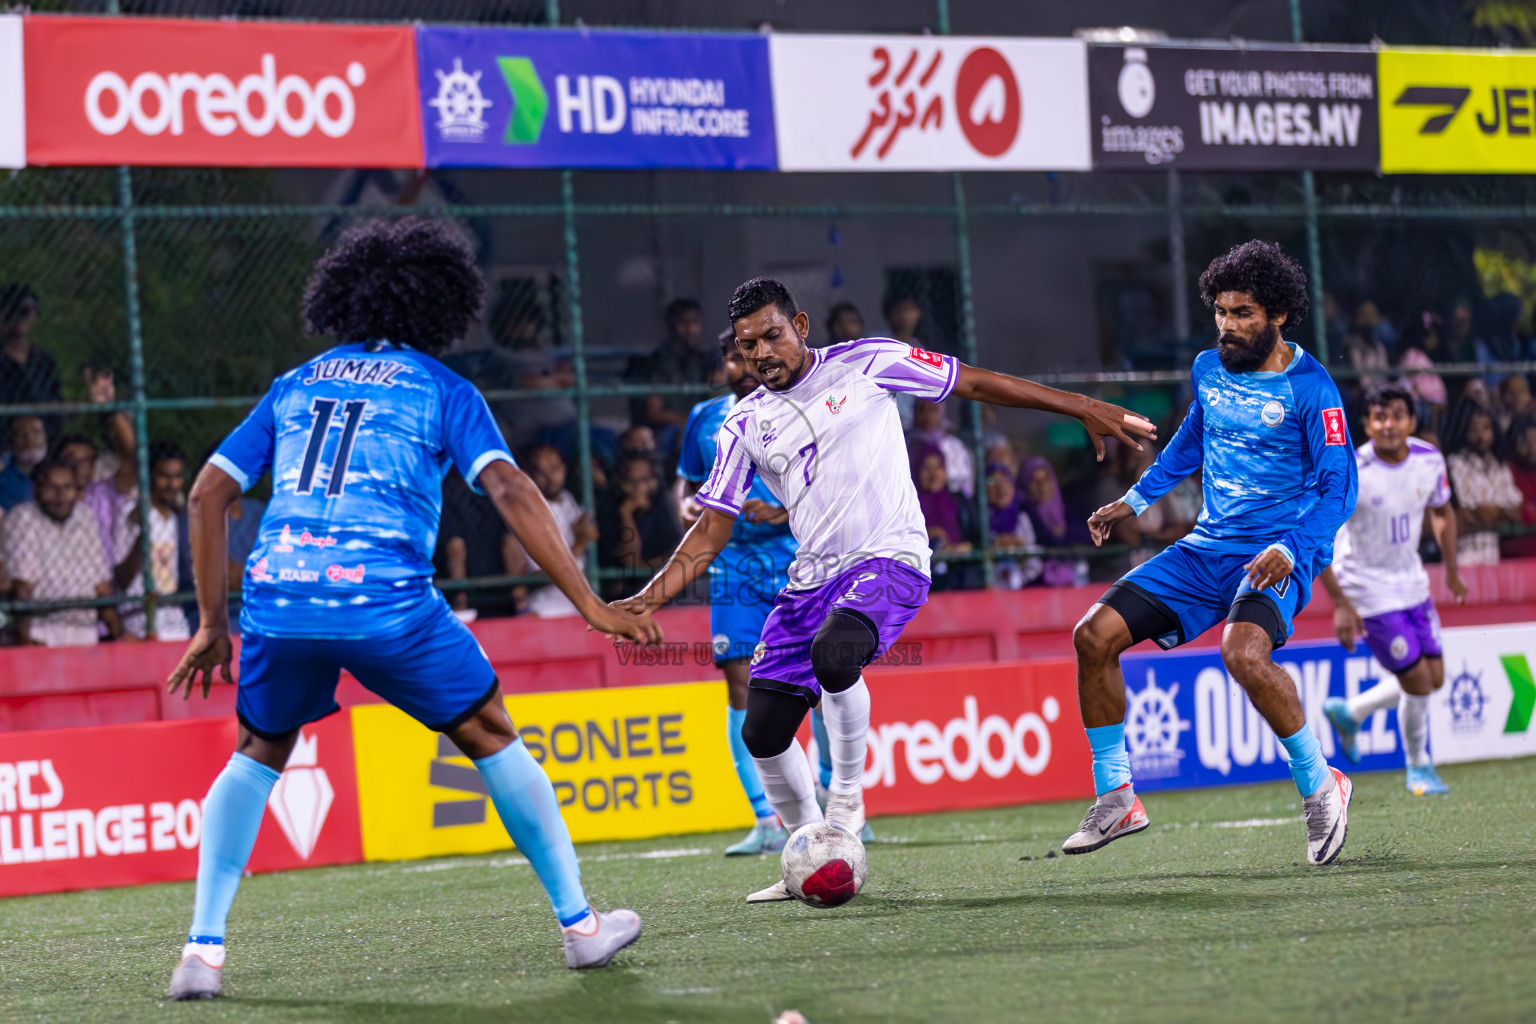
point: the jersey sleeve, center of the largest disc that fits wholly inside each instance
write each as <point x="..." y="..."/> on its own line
<point x="691" y="462"/>
<point x="895" y="366"/>
<point x="1333" y="461"/>
<point x="731" y="477"/>
<point x="1441" y="495"/>
<point x="246" y="453"/>
<point x="1175" y="463"/>
<point x="470" y="434"/>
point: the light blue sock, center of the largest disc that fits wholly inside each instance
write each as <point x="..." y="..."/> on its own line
<point x="746" y="768"/>
<point x="531" y="814"/>
<point x="823" y="748"/>
<point x="231" y="818"/>
<point x="1111" y="763"/>
<point x="1308" y="767"/>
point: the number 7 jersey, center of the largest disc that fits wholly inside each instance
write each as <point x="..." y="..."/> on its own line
<point x="358" y="440"/>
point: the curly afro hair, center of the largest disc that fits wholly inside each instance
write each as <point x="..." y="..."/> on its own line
<point x="412" y="281"/>
<point x="1263" y="270"/>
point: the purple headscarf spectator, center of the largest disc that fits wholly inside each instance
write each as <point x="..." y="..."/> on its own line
<point x="1048" y="514"/>
<point x="941" y="512"/>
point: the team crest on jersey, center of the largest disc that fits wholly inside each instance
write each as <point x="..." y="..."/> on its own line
<point x="835" y="404"/>
<point x="1273" y="414"/>
<point x="356" y="371"/>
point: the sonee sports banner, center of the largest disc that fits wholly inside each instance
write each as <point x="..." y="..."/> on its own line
<point x="1209" y="109"/>
<point x="559" y="98"/>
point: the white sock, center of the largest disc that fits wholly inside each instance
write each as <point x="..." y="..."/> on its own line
<point x="1378" y="698"/>
<point x="1413" y="720"/>
<point x="847" y="718"/>
<point x="787" y="781"/>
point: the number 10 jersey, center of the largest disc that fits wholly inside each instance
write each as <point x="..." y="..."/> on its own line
<point x="358" y="440"/>
<point x="1376" y="553"/>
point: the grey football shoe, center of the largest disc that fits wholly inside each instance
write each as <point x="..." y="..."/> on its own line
<point x="615" y="930"/>
<point x="200" y="975"/>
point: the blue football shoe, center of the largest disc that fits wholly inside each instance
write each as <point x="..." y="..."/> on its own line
<point x="1344" y="727"/>
<point x="1425" y="781"/>
<point x="767" y="836"/>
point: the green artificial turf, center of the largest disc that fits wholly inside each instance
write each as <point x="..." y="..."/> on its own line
<point x="1212" y="914"/>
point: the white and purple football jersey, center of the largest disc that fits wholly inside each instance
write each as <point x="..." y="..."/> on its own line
<point x="831" y="450"/>
<point x="1376" y="553"/>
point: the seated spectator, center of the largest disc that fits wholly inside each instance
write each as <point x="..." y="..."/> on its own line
<point x="28" y="374"/>
<point x="683" y="357"/>
<point x="1514" y="401"/>
<point x="638" y="527"/>
<point x="1167" y="519"/>
<point x="844" y="323"/>
<point x="930" y="428"/>
<point x="169" y="547"/>
<point x="1010" y="529"/>
<point x="1054" y="526"/>
<point x="1456" y="336"/>
<point x="29" y="447"/>
<point x="904" y="316"/>
<point x="639" y="441"/>
<point x="1521" y="441"/>
<point x="548" y="471"/>
<point x="473" y="541"/>
<point x="52" y="552"/>
<point x="1499" y="340"/>
<point x="946" y="516"/>
<point x="1375" y="328"/>
<point x="1486" y="495"/>
<point x="112" y="496"/>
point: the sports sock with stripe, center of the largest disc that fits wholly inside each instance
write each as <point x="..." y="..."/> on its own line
<point x="746" y="771"/>
<point x="531" y="814"/>
<point x="1111" y="762"/>
<point x="1378" y="698"/>
<point x="1308" y="767"/>
<point x="1413" y="721"/>
<point x="231" y="818"/>
<point x="823" y="764"/>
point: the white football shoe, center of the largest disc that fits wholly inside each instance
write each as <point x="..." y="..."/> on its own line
<point x="615" y="930"/>
<point x="846" y="811"/>
<point x="778" y="892"/>
<point x="200" y="975"/>
<point x="1115" y="814"/>
<point x="1327" y="814"/>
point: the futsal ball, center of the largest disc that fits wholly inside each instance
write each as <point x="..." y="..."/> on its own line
<point x="823" y="865"/>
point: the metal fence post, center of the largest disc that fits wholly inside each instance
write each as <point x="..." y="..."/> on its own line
<point x="136" y="376"/>
<point x="1179" y="262"/>
<point x="968" y="349"/>
<point x="1314" y="242"/>
<point x="578" y="359"/>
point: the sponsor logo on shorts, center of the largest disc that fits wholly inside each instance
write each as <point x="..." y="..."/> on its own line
<point x="759" y="651"/>
<point x="1399" y="647"/>
<point x="341" y="573"/>
<point x="1273" y="414"/>
<point x="1333" y="427"/>
<point x="722" y="644"/>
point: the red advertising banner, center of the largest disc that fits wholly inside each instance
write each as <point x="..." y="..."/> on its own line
<point x="122" y="805"/>
<point x="977" y="736"/>
<point x="167" y="91"/>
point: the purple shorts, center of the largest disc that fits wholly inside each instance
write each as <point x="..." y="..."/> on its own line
<point x="885" y="592"/>
<point x="1398" y="639"/>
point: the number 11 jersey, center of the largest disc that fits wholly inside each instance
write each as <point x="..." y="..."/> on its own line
<point x="358" y="440"/>
<point x="1376" y="553"/>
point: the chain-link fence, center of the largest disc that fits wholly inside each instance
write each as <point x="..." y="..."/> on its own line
<point x="159" y="304"/>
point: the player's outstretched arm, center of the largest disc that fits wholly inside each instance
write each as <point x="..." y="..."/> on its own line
<point x="517" y="498"/>
<point x="1099" y="418"/>
<point x="208" y="525"/>
<point x="693" y="556"/>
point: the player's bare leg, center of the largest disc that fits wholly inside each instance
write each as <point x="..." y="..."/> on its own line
<point x="767" y="835"/>
<point x="526" y="802"/>
<point x="1247" y="651"/>
<point x="231" y="819"/>
<point x="1100" y="638"/>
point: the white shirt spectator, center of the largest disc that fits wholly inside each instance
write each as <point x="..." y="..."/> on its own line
<point x="1481" y="480"/>
<point x="61" y="561"/>
<point x="550" y="602"/>
<point x="170" y="619"/>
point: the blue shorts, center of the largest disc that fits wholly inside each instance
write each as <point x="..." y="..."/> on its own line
<point x="435" y="672"/>
<point x="741" y="593"/>
<point x="1194" y="588"/>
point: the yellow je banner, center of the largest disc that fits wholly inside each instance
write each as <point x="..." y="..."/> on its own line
<point x="1457" y="111"/>
<point x="626" y="763"/>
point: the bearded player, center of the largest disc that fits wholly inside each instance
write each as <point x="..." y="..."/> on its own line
<point x="1267" y="426"/>
<point x="1379" y="586"/>
<point x="358" y="440"/>
<point x="824" y="434"/>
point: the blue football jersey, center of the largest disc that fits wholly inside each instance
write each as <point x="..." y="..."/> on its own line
<point x="1278" y="465"/>
<point x="700" y="440"/>
<point x="358" y="440"/>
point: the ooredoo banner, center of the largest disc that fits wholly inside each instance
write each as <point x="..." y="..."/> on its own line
<point x="13" y="137"/>
<point x="1245" y="109"/>
<point x="981" y="736"/>
<point x="520" y="98"/>
<point x="928" y="103"/>
<point x="626" y="763"/>
<point x="177" y="92"/>
<point x="1457" y="111"/>
<point x="122" y="805"/>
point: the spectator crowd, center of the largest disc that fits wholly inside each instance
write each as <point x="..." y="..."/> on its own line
<point x="71" y="511"/>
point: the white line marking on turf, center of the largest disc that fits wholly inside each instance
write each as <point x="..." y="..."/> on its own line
<point x="1255" y="822"/>
<point x="507" y="862"/>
